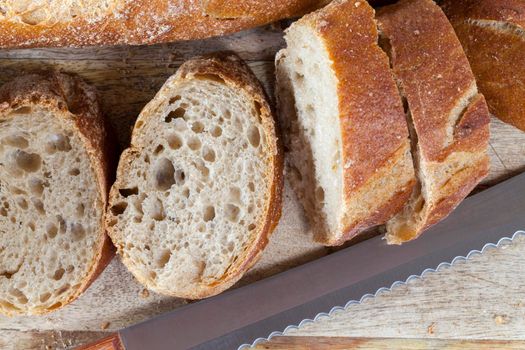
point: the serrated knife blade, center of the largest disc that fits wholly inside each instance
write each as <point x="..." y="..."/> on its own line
<point x="239" y="317"/>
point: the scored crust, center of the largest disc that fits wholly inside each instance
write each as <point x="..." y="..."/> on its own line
<point x="74" y="102"/>
<point x="234" y="73"/>
<point x="374" y="134"/>
<point x="449" y="117"/>
<point x="492" y="33"/>
<point x="148" y="22"/>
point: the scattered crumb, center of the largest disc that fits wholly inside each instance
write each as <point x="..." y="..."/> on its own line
<point x="417" y="32"/>
<point x="144" y="293"/>
<point x="104" y="325"/>
<point x="430" y="329"/>
<point x="501" y="319"/>
<point x="357" y="4"/>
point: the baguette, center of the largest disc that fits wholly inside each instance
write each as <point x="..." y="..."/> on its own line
<point x="343" y="120"/>
<point x="198" y="193"/>
<point x="37" y="23"/>
<point x="53" y="192"/>
<point x="449" y="119"/>
<point x="492" y="33"/>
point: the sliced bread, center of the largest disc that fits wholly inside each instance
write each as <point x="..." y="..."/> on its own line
<point x="492" y="33"/>
<point x="53" y="192"/>
<point x="345" y="131"/>
<point x="449" y="119"/>
<point x="198" y="192"/>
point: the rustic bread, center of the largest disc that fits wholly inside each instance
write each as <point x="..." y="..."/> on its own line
<point x="448" y="117"/>
<point x="53" y="192"/>
<point x="343" y="121"/>
<point x="33" y="23"/>
<point x="492" y="33"/>
<point x="198" y="193"/>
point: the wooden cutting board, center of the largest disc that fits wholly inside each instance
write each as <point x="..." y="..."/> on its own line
<point x="127" y="78"/>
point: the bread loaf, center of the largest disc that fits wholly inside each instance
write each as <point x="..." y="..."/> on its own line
<point x="343" y="120"/>
<point x="198" y="192"/>
<point x="492" y="33"/>
<point x="448" y="117"/>
<point x="37" y="23"/>
<point x="53" y="192"/>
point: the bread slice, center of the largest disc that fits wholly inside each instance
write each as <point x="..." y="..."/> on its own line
<point x="53" y="192"/>
<point x="343" y="120"/>
<point x="198" y="193"/>
<point x="37" y="23"/>
<point x="448" y="117"/>
<point x="492" y="33"/>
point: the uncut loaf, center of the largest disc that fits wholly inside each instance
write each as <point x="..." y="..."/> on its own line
<point x="198" y="192"/>
<point x="53" y="192"/>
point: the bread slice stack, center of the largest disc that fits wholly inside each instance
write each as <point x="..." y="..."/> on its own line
<point x="341" y="105"/>
<point x="198" y="192"/>
<point x="448" y="117"/>
<point x="492" y="33"/>
<point x="53" y="192"/>
<point x="343" y="122"/>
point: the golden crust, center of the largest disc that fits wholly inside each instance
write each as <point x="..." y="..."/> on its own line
<point x="73" y="101"/>
<point x="235" y="73"/>
<point x="153" y="21"/>
<point x="435" y="77"/>
<point x="496" y="54"/>
<point x="374" y="133"/>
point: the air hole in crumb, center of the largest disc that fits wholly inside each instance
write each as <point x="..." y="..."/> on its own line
<point x="126" y="192"/>
<point x="56" y="143"/>
<point x="152" y="275"/>
<point x="174" y="99"/>
<point x="319" y="194"/>
<point x="23" y="110"/>
<point x="44" y="297"/>
<point x="70" y="268"/>
<point x="180" y="177"/>
<point x="63" y="289"/>
<point x="119" y="208"/>
<point x="186" y="192"/>
<point x="29" y="162"/>
<point x="209" y="213"/>
<point x="74" y="172"/>
<point x="216" y="131"/>
<point x="22" y="203"/>
<point x="251" y="227"/>
<point x="174" y="141"/>
<point x="194" y="143"/>
<point x="139" y="124"/>
<point x="177" y="113"/>
<point x="234" y="195"/>
<point x="197" y="127"/>
<point x="39" y="206"/>
<point x="55" y="306"/>
<point x="157" y="210"/>
<point x="78" y="231"/>
<point x="61" y="224"/>
<point x="158" y="150"/>
<point x="164" y="174"/>
<point x="19" y="295"/>
<point x="51" y="230"/>
<point x="31" y="226"/>
<point x="36" y="186"/>
<point x="163" y="258"/>
<point x="254" y="136"/>
<point x="232" y="212"/>
<point x="208" y="154"/>
<point x="251" y="186"/>
<point x="16" y="141"/>
<point x="57" y="276"/>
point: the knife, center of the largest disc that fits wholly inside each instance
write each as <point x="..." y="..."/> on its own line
<point x="241" y="317"/>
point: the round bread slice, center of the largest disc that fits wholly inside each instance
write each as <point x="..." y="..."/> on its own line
<point x="199" y="191"/>
<point x="53" y="192"/>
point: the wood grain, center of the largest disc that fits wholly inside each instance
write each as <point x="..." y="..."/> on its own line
<point x="462" y="302"/>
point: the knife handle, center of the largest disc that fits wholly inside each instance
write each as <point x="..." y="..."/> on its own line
<point x="109" y="343"/>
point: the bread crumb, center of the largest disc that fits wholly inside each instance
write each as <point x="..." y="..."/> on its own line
<point x="417" y="32"/>
<point x="430" y="329"/>
<point x="501" y="319"/>
<point x="357" y="4"/>
<point x="144" y="293"/>
<point x="104" y="325"/>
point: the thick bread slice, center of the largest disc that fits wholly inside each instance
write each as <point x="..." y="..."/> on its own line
<point x="345" y="129"/>
<point x="492" y="33"/>
<point x="198" y="193"/>
<point x="36" y="23"/>
<point x="449" y="118"/>
<point x="53" y="192"/>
